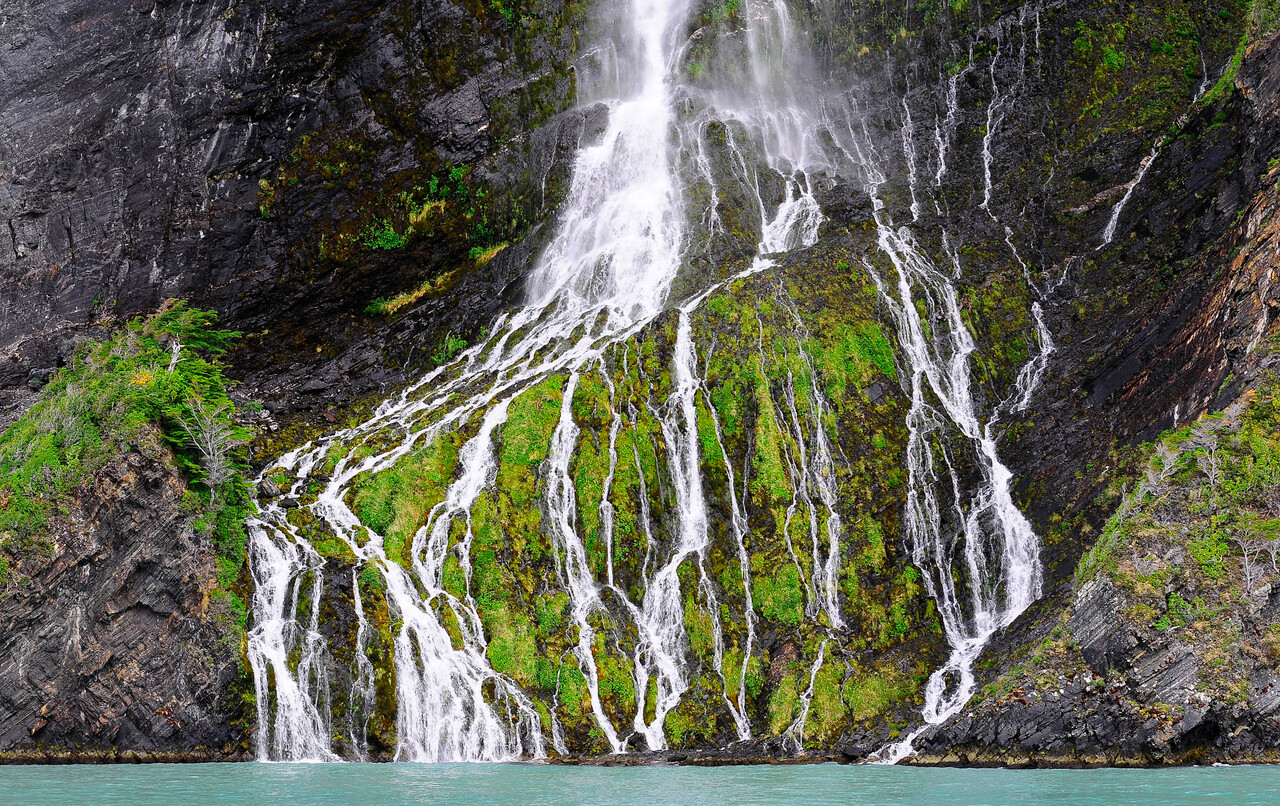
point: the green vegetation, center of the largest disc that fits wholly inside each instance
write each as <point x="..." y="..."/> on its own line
<point x="1264" y="19"/>
<point x="773" y="357"/>
<point x="852" y="356"/>
<point x="156" y="387"/>
<point x="448" y="349"/>
<point x="483" y="254"/>
<point x="725" y="11"/>
<point x="1038" y="667"/>
<point x="1226" y="83"/>
<point x="1193" y="539"/>
<point x="395" y="502"/>
<point x="1225" y="468"/>
<point x="779" y="594"/>
<point x="382" y="235"/>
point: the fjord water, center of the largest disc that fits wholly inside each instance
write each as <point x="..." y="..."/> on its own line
<point x="392" y="784"/>
<point x="626" y="230"/>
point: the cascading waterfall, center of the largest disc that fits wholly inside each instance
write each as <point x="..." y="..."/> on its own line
<point x="571" y="556"/>
<point x="605" y="273"/>
<point x="621" y="239"/>
<point x="990" y="526"/>
<point x="998" y="549"/>
<point x="614" y="256"/>
<point x="363" y="689"/>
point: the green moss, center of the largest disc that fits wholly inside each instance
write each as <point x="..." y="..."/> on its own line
<point x="614" y="675"/>
<point x="553" y="612"/>
<point x="511" y="650"/>
<point x="525" y="440"/>
<point x="370" y="579"/>
<point x="770" y="483"/>
<point x="783" y="704"/>
<point x="828" y="713"/>
<point x="693" y="721"/>
<point x="575" y="696"/>
<point x="755" y="678"/>
<point x="849" y="356"/>
<point x="590" y="464"/>
<point x="395" y="502"/>
<point x="701" y="629"/>
<point x="869" y="696"/>
<point x="382" y="235"/>
<point x="778" y="594"/>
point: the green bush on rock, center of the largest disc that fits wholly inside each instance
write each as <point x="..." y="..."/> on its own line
<point x="155" y="387"/>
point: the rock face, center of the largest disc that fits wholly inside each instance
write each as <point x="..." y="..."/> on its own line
<point x="1125" y="694"/>
<point x="1123" y="687"/>
<point x="143" y="148"/>
<point x="351" y="182"/>
<point x="112" y="648"/>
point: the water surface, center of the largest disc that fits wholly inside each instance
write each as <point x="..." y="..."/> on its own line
<point x="386" y="784"/>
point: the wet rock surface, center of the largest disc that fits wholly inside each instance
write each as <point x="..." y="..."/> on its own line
<point x="143" y="149"/>
<point x="1133" y="701"/>
<point x="1163" y="363"/>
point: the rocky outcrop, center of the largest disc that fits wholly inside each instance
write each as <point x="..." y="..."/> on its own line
<point x="1120" y="693"/>
<point x="112" y="647"/>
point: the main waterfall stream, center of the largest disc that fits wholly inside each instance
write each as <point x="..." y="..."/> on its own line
<point x="647" y="196"/>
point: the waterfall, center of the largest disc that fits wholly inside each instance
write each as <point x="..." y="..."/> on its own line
<point x="571" y="556"/>
<point x="606" y="272"/>
<point x="945" y="130"/>
<point x="955" y="518"/>
<point x="615" y="263"/>
<point x="989" y="526"/>
<point x="1109" y="232"/>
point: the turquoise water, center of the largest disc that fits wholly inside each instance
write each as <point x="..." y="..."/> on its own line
<point x="536" y="784"/>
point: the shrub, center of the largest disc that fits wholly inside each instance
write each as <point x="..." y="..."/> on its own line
<point x="155" y="385"/>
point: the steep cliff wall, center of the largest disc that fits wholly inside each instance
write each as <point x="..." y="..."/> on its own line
<point x="1159" y="648"/>
<point x="263" y="159"/>
<point x="122" y="507"/>
<point x="363" y="188"/>
<point x="114" y="647"/>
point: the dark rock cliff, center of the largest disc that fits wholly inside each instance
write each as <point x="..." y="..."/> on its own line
<point x="242" y="155"/>
<point x="114" y="649"/>
<point x="1090" y="675"/>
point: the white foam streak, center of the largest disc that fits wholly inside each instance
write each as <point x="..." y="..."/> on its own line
<point x="988" y="525"/>
<point x="1109" y="233"/>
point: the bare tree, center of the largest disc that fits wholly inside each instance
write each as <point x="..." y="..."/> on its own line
<point x="1144" y="564"/>
<point x="1269" y="499"/>
<point x="1204" y="442"/>
<point x="1231" y="414"/>
<point x="1162" y="467"/>
<point x="1251" y="546"/>
<point x="1271" y="545"/>
<point x="175" y="350"/>
<point x="210" y="430"/>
